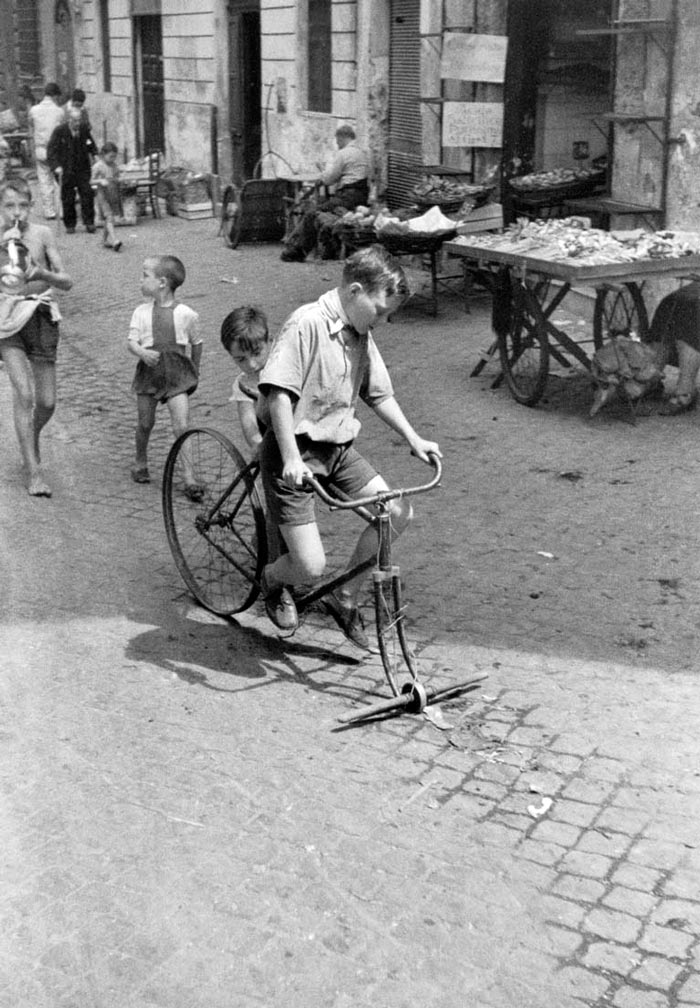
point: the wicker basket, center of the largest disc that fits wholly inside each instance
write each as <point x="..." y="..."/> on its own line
<point x="557" y="193"/>
<point x="414" y="243"/>
<point x="354" y="237"/>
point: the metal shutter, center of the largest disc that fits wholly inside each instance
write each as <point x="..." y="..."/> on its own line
<point x="405" y="128"/>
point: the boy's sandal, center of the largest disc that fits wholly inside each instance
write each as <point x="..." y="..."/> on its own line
<point x="194" y="491"/>
<point x="140" y="474"/>
<point x="680" y="402"/>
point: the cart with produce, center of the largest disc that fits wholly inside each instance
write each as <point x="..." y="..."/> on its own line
<point x="536" y="264"/>
<point x="545" y="193"/>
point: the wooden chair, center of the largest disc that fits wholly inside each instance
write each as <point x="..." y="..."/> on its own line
<point x="147" y="186"/>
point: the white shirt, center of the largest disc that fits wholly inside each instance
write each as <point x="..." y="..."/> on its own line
<point x="44" y="118"/>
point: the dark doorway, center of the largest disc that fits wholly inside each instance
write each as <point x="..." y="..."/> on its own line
<point x="65" y="58"/>
<point x="244" y="88"/>
<point x="149" y="38"/>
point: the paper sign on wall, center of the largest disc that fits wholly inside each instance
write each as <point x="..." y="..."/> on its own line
<point x="472" y="124"/>
<point x="474" y="57"/>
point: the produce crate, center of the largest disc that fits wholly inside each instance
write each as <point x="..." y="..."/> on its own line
<point x="195" y="211"/>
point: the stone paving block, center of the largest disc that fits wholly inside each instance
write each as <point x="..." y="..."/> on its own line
<point x="563" y="942"/>
<point x="587" y="789"/>
<point x="578" y="862"/>
<point x="573" y="812"/>
<point x="633" y="997"/>
<point x="560" y="763"/>
<point x="556" y="832"/>
<point x="540" y="852"/>
<point x="689" y="990"/>
<point x="597" y="841"/>
<point x="611" y="957"/>
<point x="657" y="854"/>
<point x="666" y="941"/>
<point x="583" y="984"/>
<point x="681" y="914"/>
<point x="613" y="925"/>
<point x="631" y="901"/>
<point x="577" y="888"/>
<point x="629" y="821"/>
<point x="657" y="971"/>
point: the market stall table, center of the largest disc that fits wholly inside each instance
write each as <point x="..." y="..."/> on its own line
<point x="535" y="287"/>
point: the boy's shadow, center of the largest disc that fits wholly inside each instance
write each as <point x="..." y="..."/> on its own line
<point x="200" y="649"/>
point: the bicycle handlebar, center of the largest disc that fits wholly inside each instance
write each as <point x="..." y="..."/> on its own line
<point x="378" y="498"/>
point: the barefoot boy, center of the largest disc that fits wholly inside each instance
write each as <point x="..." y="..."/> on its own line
<point x="29" y="326"/>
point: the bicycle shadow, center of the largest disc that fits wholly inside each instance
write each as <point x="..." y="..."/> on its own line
<point x="228" y="656"/>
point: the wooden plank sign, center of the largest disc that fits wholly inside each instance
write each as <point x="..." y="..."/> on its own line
<point x="472" y="124"/>
<point x="474" y="57"/>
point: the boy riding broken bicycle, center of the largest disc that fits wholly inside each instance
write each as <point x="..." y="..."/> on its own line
<point x="321" y="363"/>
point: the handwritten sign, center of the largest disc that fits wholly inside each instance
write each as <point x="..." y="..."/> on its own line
<point x="472" y="124"/>
<point x="474" y="57"/>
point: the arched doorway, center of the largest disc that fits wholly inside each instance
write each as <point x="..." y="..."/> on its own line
<point x="65" y="53"/>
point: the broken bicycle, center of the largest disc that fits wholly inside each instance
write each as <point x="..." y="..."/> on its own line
<point x="220" y="547"/>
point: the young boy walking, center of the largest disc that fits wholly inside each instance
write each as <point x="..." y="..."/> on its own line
<point x="164" y="334"/>
<point x="323" y="361"/>
<point x="29" y="326"/>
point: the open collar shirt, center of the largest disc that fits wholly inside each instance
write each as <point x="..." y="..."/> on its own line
<point x="325" y="366"/>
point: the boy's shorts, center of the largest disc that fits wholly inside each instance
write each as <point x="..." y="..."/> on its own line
<point x="38" y="338"/>
<point x="334" y="465"/>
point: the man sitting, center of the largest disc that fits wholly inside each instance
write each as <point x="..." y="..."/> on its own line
<point x="349" y="174"/>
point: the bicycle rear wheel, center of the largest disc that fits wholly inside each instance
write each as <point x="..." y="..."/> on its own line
<point x="394" y="649"/>
<point x="219" y="542"/>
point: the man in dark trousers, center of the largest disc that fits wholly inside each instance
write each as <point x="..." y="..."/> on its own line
<point x="70" y="152"/>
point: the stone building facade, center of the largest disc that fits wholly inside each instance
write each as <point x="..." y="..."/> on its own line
<point x="235" y="86"/>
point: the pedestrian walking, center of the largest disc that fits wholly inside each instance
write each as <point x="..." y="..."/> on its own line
<point x="29" y="323"/>
<point x="246" y="339"/>
<point x="43" y="120"/>
<point x="165" y="335"/>
<point x="105" y="181"/>
<point x="70" y="153"/>
<point x="322" y="363"/>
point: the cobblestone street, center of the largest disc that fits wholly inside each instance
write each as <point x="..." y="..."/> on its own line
<point x="184" y="822"/>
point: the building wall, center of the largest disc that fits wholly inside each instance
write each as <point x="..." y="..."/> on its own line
<point x="295" y="138"/>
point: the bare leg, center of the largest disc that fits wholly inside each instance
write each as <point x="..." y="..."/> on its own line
<point x="45" y="399"/>
<point x="179" y="407"/>
<point x="145" y="419"/>
<point x="21" y="377"/>
<point x="305" y="560"/>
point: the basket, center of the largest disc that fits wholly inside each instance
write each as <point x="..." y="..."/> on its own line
<point x="476" y="196"/>
<point x="562" y="191"/>
<point x="355" y="237"/>
<point x="414" y="243"/>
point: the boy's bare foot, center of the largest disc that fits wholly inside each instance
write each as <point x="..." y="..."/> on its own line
<point x="140" y="474"/>
<point x="38" y="488"/>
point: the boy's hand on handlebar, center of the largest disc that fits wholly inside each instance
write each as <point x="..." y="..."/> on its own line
<point x="424" y="449"/>
<point x="294" y="473"/>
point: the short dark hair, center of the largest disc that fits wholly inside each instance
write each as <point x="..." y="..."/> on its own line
<point x="18" y="185"/>
<point x="109" y="148"/>
<point x="346" y="131"/>
<point x="170" y="268"/>
<point x="377" y="270"/>
<point x="245" y="327"/>
<point x="52" y="89"/>
<point x="78" y="96"/>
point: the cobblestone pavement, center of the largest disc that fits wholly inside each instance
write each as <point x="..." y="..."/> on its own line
<point x="184" y="822"/>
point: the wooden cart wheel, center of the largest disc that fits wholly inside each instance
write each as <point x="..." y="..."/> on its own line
<point x="619" y="311"/>
<point x="524" y="353"/>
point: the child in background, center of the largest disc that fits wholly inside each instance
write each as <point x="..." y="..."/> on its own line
<point x="104" y="179"/>
<point x="164" y="335"/>
<point x="246" y="339"/>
